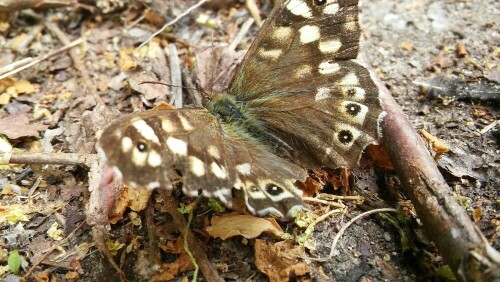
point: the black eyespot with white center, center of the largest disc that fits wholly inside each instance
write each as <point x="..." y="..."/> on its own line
<point x="319" y="2"/>
<point x="353" y="109"/>
<point x="345" y="136"/>
<point x="142" y="146"/>
<point x="273" y="189"/>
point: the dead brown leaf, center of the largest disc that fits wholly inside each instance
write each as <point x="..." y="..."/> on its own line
<point x="310" y="187"/>
<point x="477" y="214"/>
<point x="438" y="146"/>
<point x="279" y="260"/>
<point x="379" y="156"/>
<point x="248" y="226"/>
<point x="169" y="271"/>
<point x="135" y="199"/>
<point x="17" y="126"/>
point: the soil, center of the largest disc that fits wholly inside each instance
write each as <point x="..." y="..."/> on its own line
<point x="409" y="43"/>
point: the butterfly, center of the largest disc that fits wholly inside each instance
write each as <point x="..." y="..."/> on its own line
<point x="298" y="100"/>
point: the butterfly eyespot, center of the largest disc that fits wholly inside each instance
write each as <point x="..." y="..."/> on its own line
<point x="320" y="2"/>
<point x="345" y="136"/>
<point x="254" y="189"/>
<point x="353" y="109"/>
<point x="141" y="146"/>
<point x="273" y="189"/>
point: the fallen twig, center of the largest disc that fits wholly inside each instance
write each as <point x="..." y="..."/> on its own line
<point x="37" y="60"/>
<point x="183" y="14"/>
<point x="444" y="219"/>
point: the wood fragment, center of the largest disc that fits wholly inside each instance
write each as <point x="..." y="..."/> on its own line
<point x="175" y="77"/>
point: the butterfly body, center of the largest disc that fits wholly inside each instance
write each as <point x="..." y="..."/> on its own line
<point x="298" y="100"/>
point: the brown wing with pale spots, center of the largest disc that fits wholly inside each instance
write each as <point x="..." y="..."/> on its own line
<point x="313" y="94"/>
<point x="148" y="148"/>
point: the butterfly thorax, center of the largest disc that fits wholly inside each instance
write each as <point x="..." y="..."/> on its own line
<point x="234" y="116"/>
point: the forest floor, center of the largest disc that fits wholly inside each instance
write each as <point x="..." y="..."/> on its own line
<point x="408" y="43"/>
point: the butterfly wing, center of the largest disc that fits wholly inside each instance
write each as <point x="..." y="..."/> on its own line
<point x="301" y="81"/>
<point x="149" y="148"/>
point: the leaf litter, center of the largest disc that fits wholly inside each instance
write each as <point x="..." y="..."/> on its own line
<point x="78" y="114"/>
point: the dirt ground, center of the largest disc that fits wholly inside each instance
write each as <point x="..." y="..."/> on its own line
<point x="408" y="43"/>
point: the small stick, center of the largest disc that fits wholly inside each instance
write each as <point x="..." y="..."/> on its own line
<point x="172" y="22"/>
<point x="41" y="58"/>
<point x="175" y="76"/>
<point x="52" y="158"/>
<point x="328" y="203"/>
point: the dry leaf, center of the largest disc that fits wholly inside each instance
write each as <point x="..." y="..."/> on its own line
<point x="17" y="125"/>
<point x="438" y="146"/>
<point x="310" y="187"/>
<point x="248" y="226"/>
<point x="135" y="199"/>
<point x="379" y="156"/>
<point x="279" y="261"/>
<point x="169" y="271"/>
<point x="477" y="214"/>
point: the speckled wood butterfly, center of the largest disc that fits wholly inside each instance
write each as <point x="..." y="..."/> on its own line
<point x="298" y="100"/>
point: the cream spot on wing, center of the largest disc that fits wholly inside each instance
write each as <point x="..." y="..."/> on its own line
<point x="330" y="46"/>
<point x="303" y="70"/>
<point x="309" y="33"/>
<point x="282" y="33"/>
<point x="167" y="125"/>
<point x="328" y="67"/>
<point x="244" y="169"/>
<point x="349" y="80"/>
<point x="177" y="146"/>
<point x="355" y="112"/>
<point x="322" y="93"/>
<point x="153" y="185"/>
<point x="299" y="8"/>
<point x="185" y="123"/>
<point x="145" y="131"/>
<point x="138" y="157"/>
<point x="224" y="195"/>
<point x="270" y="210"/>
<point x="331" y="8"/>
<point x="354" y="93"/>
<point x="154" y="159"/>
<point x="196" y="166"/>
<point x="270" y="54"/>
<point x="213" y="151"/>
<point x="218" y="171"/>
<point x="255" y="193"/>
<point x="351" y="26"/>
<point x="328" y="150"/>
<point x="127" y="144"/>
